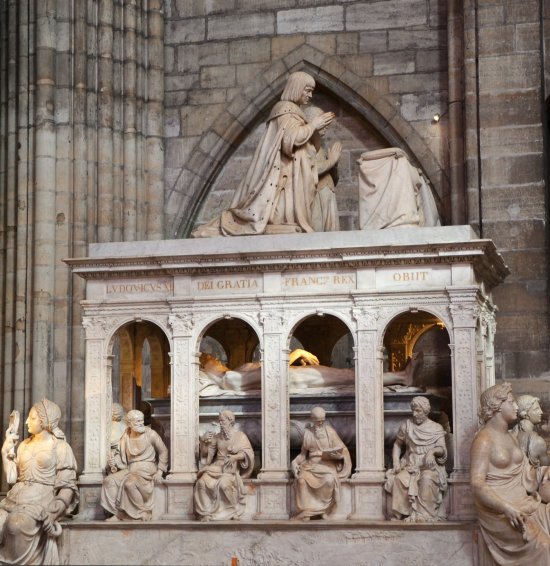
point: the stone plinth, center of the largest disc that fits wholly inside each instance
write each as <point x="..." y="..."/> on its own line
<point x="273" y="543"/>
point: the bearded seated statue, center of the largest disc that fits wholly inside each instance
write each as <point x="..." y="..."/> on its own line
<point x="309" y="376"/>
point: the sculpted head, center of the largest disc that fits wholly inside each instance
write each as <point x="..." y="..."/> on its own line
<point x="45" y="415"/>
<point x="135" y="420"/>
<point x="420" y="407"/>
<point x="226" y="420"/>
<point x="317" y="416"/>
<point x="117" y="412"/>
<point x="529" y="408"/>
<point x="299" y="88"/>
<point x="492" y="400"/>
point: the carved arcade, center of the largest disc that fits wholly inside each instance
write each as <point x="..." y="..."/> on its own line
<point x="369" y="293"/>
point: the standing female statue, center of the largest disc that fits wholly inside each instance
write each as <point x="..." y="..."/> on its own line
<point x="45" y="469"/>
<point x="277" y="192"/>
<point x="514" y="522"/>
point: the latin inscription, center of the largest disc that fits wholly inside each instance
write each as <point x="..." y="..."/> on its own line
<point x="410" y="276"/>
<point x="139" y="288"/>
<point x="228" y="284"/>
<point x="317" y="280"/>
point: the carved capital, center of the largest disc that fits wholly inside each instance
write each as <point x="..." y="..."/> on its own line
<point x="464" y="314"/>
<point x="272" y="321"/>
<point x="366" y="317"/>
<point x="182" y="324"/>
<point x="98" y="327"/>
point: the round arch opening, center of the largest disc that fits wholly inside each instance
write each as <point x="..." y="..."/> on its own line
<point x="416" y="347"/>
<point x="329" y="384"/>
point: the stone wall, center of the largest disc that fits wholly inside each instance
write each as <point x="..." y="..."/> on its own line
<point x="506" y="180"/>
<point x="225" y="67"/>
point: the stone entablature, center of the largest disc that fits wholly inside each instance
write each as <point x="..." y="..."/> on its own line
<point x="365" y="279"/>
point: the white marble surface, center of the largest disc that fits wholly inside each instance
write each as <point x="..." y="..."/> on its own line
<point x="270" y="243"/>
<point x="269" y="543"/>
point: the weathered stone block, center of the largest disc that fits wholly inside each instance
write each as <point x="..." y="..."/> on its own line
<point x="247" y="73"/>
<point x="431" y="60"/>
<point x="207" y="96"/>
<point x="394" y="63"/>
<point x="490" y="15"/>
<point x="185" y="31"/>
<point x="241" y="25"/>
<point x="171" y="122"/>
<point x="190" y="8"/>
<point x="386" y="14"/>
<point x="218" y="76"/>
<point x="187" y="58"/>
<point x="528" y="37"/>
<point x="373" y="41"/>
<point x="495" y="40"/>
<point x="418" y="82"/>
<point x="510" y="109"/>
<point x="521" y="11"/>
<point x="311" y="20"/>
<point x="325" y="42"/>
<point x="249" y="51"/>
<point x="213" y="53"/>
<point x="361" y="65"/>
<point x="422" y="106"/>
<point x="197" y="119"/>
<point x="509" y="72"/>
<point x="514" y="203"/>
<point x="438" y="13"/>
<point x="416" y="39"/>
<point x="264" y="4"/>
<point x="526" y="264"/>
<point x="169" y="55"/>
<point x="511" y="140"/>
<point x="512" y="170"/>
<point x="180" y="82"/>
<point x="281" y="46"/>
<point x="347" y="43"/>
<point x="518" y="331"/>
<point x="526" y="234"/>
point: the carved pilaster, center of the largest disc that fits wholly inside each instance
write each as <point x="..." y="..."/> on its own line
<point x="466" y="390"/>
<point x="273" y="500"/>
<point x="96" y="386"/>
<point x="369" y="403"/>
<point x="184" y="399"/>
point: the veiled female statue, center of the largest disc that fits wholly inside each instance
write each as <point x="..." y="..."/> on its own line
<point x="277" y="192"/>
<point x="514" y="522"/>
<point x="44" y="472"/>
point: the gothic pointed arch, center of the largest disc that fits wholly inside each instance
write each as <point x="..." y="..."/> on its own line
<point x="252" y="104"/>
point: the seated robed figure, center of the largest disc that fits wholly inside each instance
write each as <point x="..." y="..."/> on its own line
<point x="418" y="479"/>
<point x="143" y="458"/>
<point x="227" y="458"/>
<point x="323" y="461"/>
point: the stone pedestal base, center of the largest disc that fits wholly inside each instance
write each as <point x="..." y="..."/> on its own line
<point x="273" y="500"/>
<point x="267" y="542"/>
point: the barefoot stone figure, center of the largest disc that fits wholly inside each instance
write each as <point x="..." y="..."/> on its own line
<point x="318" y="469"/>
<point x="418" y="479"/>
<point x="44" y="472"/>
<point x="128" y="493"/>
<point x="228" y="457"/>
<point x="514" y="522"/>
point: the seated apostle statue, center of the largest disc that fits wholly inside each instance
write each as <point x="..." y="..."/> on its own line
<point x="418" y="479"/>
<point x="228" y="458"/>
<point x="128" y="493"/>
<point x="43" y="471"/>
<point x="513" y="520"/>
<point x="318" y="469"/>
